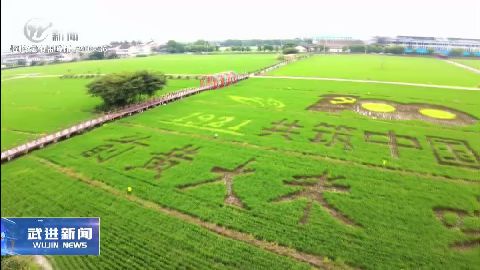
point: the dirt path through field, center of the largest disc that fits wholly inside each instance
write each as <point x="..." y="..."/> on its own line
<point x="463" y="66"/>
<point x="42" y="262"/>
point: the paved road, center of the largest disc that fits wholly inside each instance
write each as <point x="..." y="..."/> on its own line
<point x="369" y="81"/>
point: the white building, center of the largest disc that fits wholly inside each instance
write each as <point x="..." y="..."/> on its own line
<point x="301" y="49"/>
<point x="436" y="44"/>
<point x="127" y="50"/>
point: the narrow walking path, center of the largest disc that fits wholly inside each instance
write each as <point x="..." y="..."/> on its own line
<point x="42" y="262"/>
<point x="369" y="81"/>
<point x="463" y="66"/>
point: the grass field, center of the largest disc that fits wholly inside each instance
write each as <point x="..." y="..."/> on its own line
<point x="469" y="62"/>
<point x="32" y="107"/>
<point x="382" y="68"/>
<point x="276" y="170"/>
<point x="172" y="64"/>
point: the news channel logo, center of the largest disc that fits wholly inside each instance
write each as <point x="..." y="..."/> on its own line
<point x="37" y="30"/>
<point x="50" y="236"/>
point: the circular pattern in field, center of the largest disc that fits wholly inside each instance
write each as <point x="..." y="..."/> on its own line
<point x="378" y="107"/>
<point x="438" y="114"/>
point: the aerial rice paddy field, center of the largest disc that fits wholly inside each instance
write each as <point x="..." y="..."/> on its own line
<point x="383" y="68"/>
<point x="273" y="173"/>
<point x="171" y="64"/>
<point x="32" y="107"/>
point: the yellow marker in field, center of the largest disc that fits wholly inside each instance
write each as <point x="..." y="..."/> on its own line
<point x="343" y="100"/>
<point x="129" y="189"/>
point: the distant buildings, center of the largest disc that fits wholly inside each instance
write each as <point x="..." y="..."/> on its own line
<point x="120" y="50"/>
<point x="31" y="59"/>
<point x="126" y="49"/>
<point x="437" y="45"/>
<point x="333" y="44"/>
<point x="301" y="49"/>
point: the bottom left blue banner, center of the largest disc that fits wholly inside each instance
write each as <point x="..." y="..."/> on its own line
<point x="50" y="236"/>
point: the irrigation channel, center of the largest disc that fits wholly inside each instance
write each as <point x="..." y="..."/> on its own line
<point x="210" y="82"/>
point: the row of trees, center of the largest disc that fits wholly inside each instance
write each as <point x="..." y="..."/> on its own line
<point x="375" y="49"/>
<point x="265" y="42"/>
<point x="126" y="88"/>
<point x="260" y="48"/>
<point x="173" y="46"/>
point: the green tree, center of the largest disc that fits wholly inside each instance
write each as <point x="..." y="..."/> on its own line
<point x="357" y="48"/>
<point x="126" y="88"/>
<point x="395" y="49"/>
<point x="97" y="55"/>
<point x="289" y="45"/>
<point x="374" y="49"/>
<point x="175" y="47"/>
<point x="112" y="55"/>
<point x="289" y="50"/>
<point x="456" y="52"/>
<point x="268" y="48"/>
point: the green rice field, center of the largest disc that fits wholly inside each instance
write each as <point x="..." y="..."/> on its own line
<point x="171" y="64"/>
<point x="269" y="173"/>
<point x="382" y="68"/>
<point x="469" y="62"/>
<point x="32" y="107"/>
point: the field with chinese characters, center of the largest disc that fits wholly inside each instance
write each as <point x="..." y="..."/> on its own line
<point x="272" y="173"/>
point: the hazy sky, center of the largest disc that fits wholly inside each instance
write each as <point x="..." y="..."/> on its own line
<point x="98" y="21"/>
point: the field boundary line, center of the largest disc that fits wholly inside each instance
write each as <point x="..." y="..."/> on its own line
<point x="313" y="260"/>
<point x="315" y="156"/>
<point x="460" y="65"/>
<point x="453" y="87"/>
